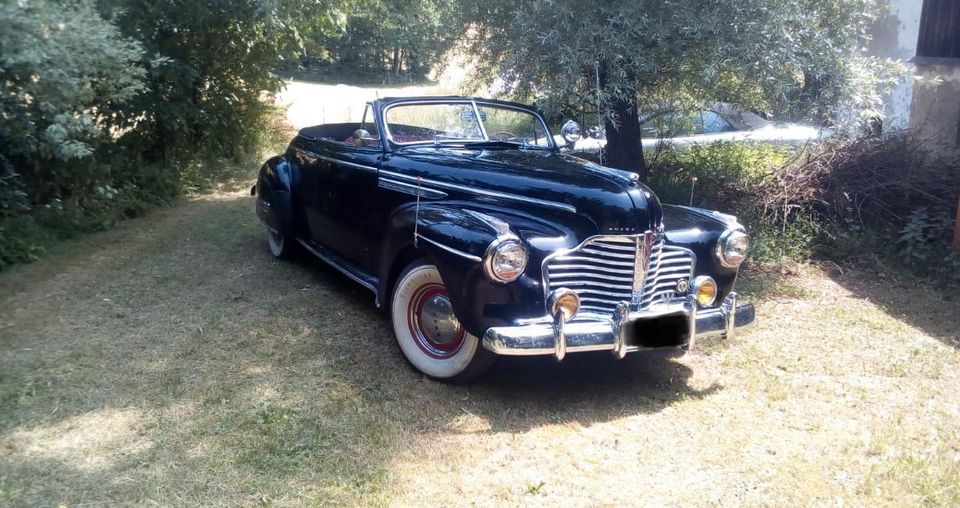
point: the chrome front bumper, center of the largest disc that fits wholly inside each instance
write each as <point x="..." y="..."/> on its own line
<point x="612" y="334"/>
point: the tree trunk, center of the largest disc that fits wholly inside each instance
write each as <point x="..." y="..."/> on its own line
<point x="395" y="68"/>
<point x="955" y="246"/>
<point x="624" y="149"/>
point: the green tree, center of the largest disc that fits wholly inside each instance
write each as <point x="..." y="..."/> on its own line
<point x="797" y="56"/>
<point x="65" y="74"/>
<point x="384" y="39"/>
<point x="208" y="65"/>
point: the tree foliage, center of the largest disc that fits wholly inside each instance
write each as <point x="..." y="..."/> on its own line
<point x="109" y="105"/>
<point x="384" y="40"/>
<point x="800" y="57"/>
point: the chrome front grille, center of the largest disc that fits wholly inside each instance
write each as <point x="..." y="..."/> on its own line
<point x="607" y="270"/>
<point x="668" y="264"/>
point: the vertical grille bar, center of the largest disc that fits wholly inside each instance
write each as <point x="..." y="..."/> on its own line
<point x="607" y="270"/>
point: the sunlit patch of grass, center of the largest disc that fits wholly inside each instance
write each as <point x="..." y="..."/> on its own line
<point x="916" y="478"/>
<point x="172" y="361"/>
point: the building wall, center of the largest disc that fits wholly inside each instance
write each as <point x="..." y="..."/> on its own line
<point x="895" y="36"/>
<point x="933" y="110"/>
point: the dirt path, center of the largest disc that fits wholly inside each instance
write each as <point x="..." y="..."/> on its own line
<point x="172" y="361"/>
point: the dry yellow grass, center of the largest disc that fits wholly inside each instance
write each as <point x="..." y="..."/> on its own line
<point x="171" y="361"/>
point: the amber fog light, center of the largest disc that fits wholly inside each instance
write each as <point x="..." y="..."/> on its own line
<point x="564" y="300"/>
<point x="705" y="290"/>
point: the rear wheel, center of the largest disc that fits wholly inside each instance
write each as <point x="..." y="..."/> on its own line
<point x="281" y="246"/>
<point x="429" y="334"/>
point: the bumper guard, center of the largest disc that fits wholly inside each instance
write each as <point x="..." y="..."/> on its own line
<point x="611" y="334"/>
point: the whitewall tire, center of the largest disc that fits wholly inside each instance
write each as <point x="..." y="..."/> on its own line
<point x="280" y="244"/>
<point x="429" y="334"/>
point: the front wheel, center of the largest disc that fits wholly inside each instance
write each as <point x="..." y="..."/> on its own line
<point x="429" y="334"/>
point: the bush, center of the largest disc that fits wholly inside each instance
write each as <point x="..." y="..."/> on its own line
<point x="873" y="200"/>
<point x="108" y="112"/>
<point x="725" y="177"/>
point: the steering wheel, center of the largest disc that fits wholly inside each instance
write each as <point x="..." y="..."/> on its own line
<point x="503" y="136"/>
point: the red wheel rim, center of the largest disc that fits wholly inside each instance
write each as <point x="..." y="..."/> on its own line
<point x="426" y="302"/>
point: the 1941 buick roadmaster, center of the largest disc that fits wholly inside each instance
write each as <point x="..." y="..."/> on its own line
<point x="483" y="238"/>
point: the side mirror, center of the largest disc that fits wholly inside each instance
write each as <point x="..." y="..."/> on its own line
<point x="571" y="133"/>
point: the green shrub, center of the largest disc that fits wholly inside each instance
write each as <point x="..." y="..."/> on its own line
<point x="724" y="177"/>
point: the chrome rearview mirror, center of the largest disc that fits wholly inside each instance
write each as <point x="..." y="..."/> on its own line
<point x="571" y="132"/>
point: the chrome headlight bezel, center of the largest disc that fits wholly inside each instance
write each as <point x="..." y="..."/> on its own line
<point x="498" y="247"/>
<point x="724" y="255"/>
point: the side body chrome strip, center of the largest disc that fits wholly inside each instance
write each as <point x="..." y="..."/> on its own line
<point x="482" y="192"/>
<point x="451" y="250"/>
<point x="407" y="188"/>
<point x="361" y="167"/>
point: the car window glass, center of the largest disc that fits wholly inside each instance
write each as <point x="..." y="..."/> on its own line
<point x="513" y="125"/>
<point x="713" y="123"/>
<point x="410" y="123"/>
<point x="679" y="124"/>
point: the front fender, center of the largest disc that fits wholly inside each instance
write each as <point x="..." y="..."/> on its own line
<point x="455" y="240"/>
<point x="275" y="194"/>
<point x="699" y="230"/>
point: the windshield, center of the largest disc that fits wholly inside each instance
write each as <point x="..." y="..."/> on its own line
<point x="458" y="123"/>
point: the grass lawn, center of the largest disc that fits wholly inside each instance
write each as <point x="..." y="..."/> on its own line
<point x="172" y="361"/>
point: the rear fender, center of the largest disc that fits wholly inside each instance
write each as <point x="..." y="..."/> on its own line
<point x="275" y="194"/>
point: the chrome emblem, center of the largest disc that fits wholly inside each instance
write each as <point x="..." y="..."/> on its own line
<point x="682" y="286"/>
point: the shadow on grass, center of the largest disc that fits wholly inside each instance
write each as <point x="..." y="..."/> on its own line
<point x="917" y="303"/>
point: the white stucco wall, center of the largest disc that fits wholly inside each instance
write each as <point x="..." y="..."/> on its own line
<point x="895" y="36"/>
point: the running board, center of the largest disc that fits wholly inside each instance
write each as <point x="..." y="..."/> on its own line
<point x="344" y="267"/>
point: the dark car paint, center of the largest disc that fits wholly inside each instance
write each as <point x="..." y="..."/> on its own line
<point x="357" y="207"/>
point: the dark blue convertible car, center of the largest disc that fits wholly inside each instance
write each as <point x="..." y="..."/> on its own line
<point x="468" y="222"/>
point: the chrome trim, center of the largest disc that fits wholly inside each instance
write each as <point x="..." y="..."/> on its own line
<point x="481" y="192"/>
<point x="609" y="333"/>
<point x="692" y="323"/>
<point x="694" y="289"/>
<point x="464" y="100"/>
<point x="337" y="266"/>
<point x="730" y="220"/>
<point x="555" y="297"/>
<point x="406" y="188"/>
<point x="607" y="269"/>
<point x="620" y="319"/>
<point x="451" y="250"/>
<point x="721" y="244"/>
<point x="476" y="112"/>
<point x="492" y="249"/>
<point x="496" y="225"/>
<point x="560" y="338"/>
<point x="730" y="305"/>
<point x="368" y="169"/>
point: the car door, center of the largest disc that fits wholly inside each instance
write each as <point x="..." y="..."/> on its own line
<point x="341" y="196"/>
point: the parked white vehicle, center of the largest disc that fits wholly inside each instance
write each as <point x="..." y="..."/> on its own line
<point x="719" y="122"/>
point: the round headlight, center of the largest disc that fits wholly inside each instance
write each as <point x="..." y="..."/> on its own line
<point x="571" y="132"/>
<point x="732" y="248"/>
<point x="506" y="259"/>
<point x="705" y="290"/>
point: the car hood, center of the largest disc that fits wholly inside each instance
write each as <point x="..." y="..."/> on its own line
<point x="608" y="198"/>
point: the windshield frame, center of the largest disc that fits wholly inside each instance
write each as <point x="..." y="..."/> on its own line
<point x="388" y="135"/>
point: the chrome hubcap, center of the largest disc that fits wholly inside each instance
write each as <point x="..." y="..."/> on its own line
<point x="434" y="327"/>
<point x="437" y="320"/>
